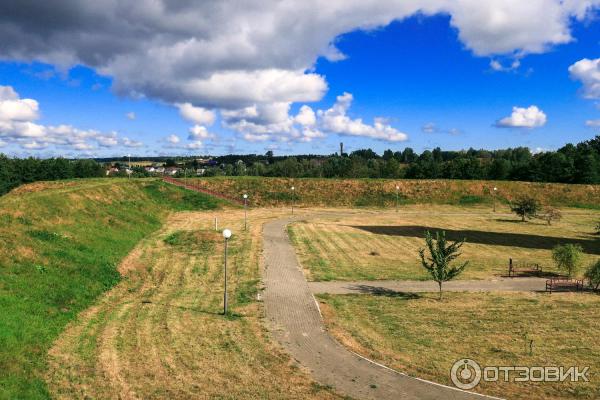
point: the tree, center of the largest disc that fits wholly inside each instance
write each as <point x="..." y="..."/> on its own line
<point x="441" y="254"/>
<point x="593" y="275"/>
<point x="597" y="228"/>
<point x="568" y="257"/>
<point x="551" y="214"/>
<point x="525" y="207"/>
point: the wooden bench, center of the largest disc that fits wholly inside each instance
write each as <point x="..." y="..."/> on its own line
<point x="563" y="283"/>
<point x="523" y="268"/>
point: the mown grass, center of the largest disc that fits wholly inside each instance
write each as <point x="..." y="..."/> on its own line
<point x="376" y="245"/>
<point x="313" y="192"/>
<point x="61" y="245"/>
<point x="423" y="337"/>
<point x="160" y="333"/>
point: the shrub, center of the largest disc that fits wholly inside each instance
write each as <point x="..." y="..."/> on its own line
<point x="597" y="228"/>
<point x="551" y="214"/>
<point x="593" y="275"/>
<point x="568" y="257"/>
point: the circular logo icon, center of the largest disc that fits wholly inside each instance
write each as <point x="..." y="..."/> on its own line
<point x="465" y="374"/>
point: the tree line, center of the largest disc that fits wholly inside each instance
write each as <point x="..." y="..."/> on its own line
<point x="571" y="163"/>
<point x="17" y="171"/>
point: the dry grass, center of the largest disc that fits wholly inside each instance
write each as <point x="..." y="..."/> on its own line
<point x="424" y="337"/>
<point x="370" y="245"/>
<point x="160" y="334"/>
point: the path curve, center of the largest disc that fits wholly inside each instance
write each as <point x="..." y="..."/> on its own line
<point x="385" y="287"/>
<point x="295" y="320"/>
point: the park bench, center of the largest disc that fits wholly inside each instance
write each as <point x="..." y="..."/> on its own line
<point x="523" y="268"/>
<point x="563" y="283"/>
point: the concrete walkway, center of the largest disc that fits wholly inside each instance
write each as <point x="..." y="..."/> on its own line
<point x="391" y="287"/>
<point x="295" y="321"/>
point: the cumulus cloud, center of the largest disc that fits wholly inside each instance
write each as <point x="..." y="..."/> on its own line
<point x="336" y="120"/>
<point x="226" y="54"/>
<point x="198" y="132"/>
<point x="19" y="126"/>
<point x="588" y="72"/>
<point x="173" y="139"/>
<point x="130" y="115"/>
<point x="530" y="117"/>
<point x="197" y="115"/>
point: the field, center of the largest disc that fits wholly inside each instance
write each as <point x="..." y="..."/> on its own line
<point x="372" y="245"/>
<point x="314" y="192"/>
<point x="61" y="243"/>
<point x="423" y="337"/>
<point x="160" y="334"/>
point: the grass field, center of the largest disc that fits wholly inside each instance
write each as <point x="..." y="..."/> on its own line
<point x="160" y="334"/>
<point x="61" y="243"/>
<point x="371" y="245"/>
<point x="424" y="337"/>
<point x="314" y="192"/>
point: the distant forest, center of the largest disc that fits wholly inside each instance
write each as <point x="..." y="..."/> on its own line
<point x="578" y="163"/>
<point x="570" y="164"/>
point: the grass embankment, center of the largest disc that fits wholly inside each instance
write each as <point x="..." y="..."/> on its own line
<point x="373" y="245"/>
<point x="61" y="243"/>
<point x="160" y="332"/>
<point x="424" y="337"/>
<point x="313" y="192"/>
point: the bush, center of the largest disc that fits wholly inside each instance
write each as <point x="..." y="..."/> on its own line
<point x="597" y="228"/>
<point x="593" y="275"/>
<point x="551" y="214"/>
<point x="525" y="207"/>
<point x="568" y="257"/>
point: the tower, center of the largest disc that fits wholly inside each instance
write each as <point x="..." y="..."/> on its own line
<point x="341" y="149"/>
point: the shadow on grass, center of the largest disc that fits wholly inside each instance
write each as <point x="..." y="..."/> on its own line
<point x="491" y="238"/>
<point x="381" y="291"/>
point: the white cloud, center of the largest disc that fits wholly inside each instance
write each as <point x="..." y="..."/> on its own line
<point x="197" y="115"/>
<point x="194" y="145"/>
<point x="499" y="67"/>
<point x="130" y="115"/>
<point x="232" y="55"/>
<point x="199" y="132"/>
<point x="430" y="127"/>
<point x="107" y="140"/>
<point x="588" y="72"/>
<point x="593" y="123"/>
<point x="336" y="120"/>
<point x="306" y="116"/>
<point x="131" y="143"/>
<point x="173" y="139"/>
<point x="530" y="117"/>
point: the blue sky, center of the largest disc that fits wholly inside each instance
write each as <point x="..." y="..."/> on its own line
<point x="431" y="83"/>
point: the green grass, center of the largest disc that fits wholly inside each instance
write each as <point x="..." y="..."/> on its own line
<point x="423" y="337"/>
<point x="381" y="193"/>
<point x="61" y="246"/>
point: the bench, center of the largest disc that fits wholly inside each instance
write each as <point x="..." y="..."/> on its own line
<point x="563" y="283"/>
<point x="523" y="268"/>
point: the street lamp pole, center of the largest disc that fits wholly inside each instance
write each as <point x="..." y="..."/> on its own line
<point x="293" y="198"/>
<point x="245" y="211"/>
<point x="495" y="190"/>
<point x="226" y="235"/>
<point x="397" y="189"/>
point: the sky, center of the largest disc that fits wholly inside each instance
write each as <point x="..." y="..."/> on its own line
<point x="154" y="77"/>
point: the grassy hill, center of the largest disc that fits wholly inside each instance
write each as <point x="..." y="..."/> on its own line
<point x="382" y="192"/>
<point x="61" y="243"/>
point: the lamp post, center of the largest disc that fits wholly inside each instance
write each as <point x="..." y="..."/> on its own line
<point x="245" y="210"/>
<point x="495" y="190"/>
<point x="226" y="235"/>
<point x="397" y="189"/>
<point x="293" y="198"/>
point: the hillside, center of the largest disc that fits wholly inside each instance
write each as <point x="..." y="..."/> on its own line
<point x="382" y="192"/>
<point x="61" y="243"/>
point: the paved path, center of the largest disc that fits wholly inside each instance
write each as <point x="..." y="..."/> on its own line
<point x="391" y="287"/>
<point x="295" y="321"/>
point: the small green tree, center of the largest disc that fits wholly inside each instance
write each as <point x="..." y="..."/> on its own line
<point x="525" y="207"/>
<point x="593" y="275"/>
<point x="441" y="254"/>
<point x="568" y="257"/>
